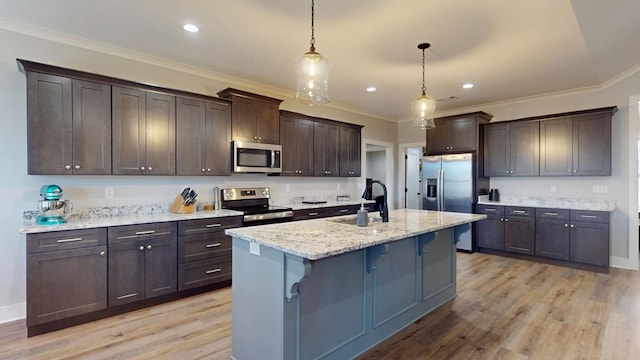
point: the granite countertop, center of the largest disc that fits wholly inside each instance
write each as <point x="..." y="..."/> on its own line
<point x="551" y="202"/>
<point x="320" y="238"/>
<point x="96" y="222"/>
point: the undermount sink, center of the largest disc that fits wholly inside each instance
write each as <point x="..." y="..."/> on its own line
<point x="352" y="220"/>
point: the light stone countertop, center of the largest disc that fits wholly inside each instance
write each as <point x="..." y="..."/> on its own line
<point x="81" y="223"/>
<point x="551" y="202"/>
<point x="320" y="238"/>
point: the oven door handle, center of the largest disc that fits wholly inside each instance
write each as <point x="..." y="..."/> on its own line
<point x="268" y="216"/>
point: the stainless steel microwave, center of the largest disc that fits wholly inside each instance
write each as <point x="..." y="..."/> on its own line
<point x="256" y="157"/>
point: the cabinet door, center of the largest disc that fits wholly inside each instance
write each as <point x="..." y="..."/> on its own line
<point x="243" y="117"/>
<point x="497" y="157"/>
<point x="161" y="134"/>
<point x="129" y="131"/>
<point x="66" y="283"/>
<point x="589" y="243"/>
<point x="91" y="128"/>
<point x="438" y="138"/>
<point x="519" y="234"/>
<point x="49" y="124"/>
<point x="161" y="266"/>
<point x="297" y="146"/>
<point x="288" y="136"/>
<point x="191" y="139"/>
<point x="556" y="149"/>
<point x="218" y="139"/>
<point x="552" y="239"/>
<point x="490" y="233"/>
<point x="267" y="122"/>
<point x="126" y="272"/>
<point x="326" y="149"/>
<point x="349" y="151"/>
<point x="592" y="145"/>
<point x="462" y="134"/>
<point x="524" y="142"/>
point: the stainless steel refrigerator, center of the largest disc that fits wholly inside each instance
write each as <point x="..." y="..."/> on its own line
<point x="448" y="185"/>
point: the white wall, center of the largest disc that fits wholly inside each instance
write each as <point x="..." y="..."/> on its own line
<point x="21" y="191"/>
<point x="376" y="168"/>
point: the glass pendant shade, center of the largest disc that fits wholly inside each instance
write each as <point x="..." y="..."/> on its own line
<point x="312" y="79"/>
<point x="423" y="109"/>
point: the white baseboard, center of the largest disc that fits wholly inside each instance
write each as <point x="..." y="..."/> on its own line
<point x="622" y="263"/>
<point x="13" y="312"/>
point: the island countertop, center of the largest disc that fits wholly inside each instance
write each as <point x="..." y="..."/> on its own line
<point x="320" y="238"/>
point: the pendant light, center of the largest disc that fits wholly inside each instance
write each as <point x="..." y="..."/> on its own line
<point x="424" y="107"/>
<point x="312" y="73"/>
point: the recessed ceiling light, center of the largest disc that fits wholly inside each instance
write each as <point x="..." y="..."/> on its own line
<point x="191" y="28"/>
<point x="467" y="86"/>
<point x="371" y="89"/>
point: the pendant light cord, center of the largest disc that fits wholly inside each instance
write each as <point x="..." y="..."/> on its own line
<point x="313" y="37"/>
<point x="424" y="88"/>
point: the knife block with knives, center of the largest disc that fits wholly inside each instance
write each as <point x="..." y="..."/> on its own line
<point x="184" y="203"/>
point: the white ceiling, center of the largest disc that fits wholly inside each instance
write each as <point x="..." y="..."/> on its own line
<point x="508" y="48"/>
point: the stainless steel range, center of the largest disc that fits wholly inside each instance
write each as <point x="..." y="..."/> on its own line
<point x="254" y="203"/>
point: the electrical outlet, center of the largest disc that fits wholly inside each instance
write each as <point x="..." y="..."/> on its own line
<point x="254" y="248"/>
<point x="287" y="187"/>
<point x="553" y="188"/>
<point x="600" y="188"/>
<point x="108" y="192"/>
<point x="338" y="186"/>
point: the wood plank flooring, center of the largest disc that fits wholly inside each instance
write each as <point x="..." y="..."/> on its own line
<point x="505" y="309"/>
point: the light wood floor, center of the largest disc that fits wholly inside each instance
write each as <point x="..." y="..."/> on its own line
<point x="505" y="309"/>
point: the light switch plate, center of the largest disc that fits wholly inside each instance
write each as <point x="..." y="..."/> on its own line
<point x="600" y="188"/>
<point x="108" y="192"/>
<point x="254" y="248"/>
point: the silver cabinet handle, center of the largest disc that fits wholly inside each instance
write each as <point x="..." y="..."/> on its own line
<point x="588" y="216"/>
<point x="575" y="170"/>
<point x="69" y="240"/>
<point x="126" y="296"/>
<point x="77" y="167"/>
<point x="141" y="168"/>
<point x="491" y="210"/>
<point x="208" y="169"/>
<point x="201" y="170"/>
<point x="68" y="167"/>
<point x="213" y="225"/>
<point x="344" y="210"/>
<point x="572" y="225"/>
<point x="518" y="211"/>
<point x="145" y="232"/>
<point x="141" y="247"/>
<point x="313" y="214"/>
<point x="566" y="225"/>
<point x="214" y="271"/>
<point x="552" y="213"/>
<point x="569" y="170"/>
<point x="213" y="245"/>
<point x="150" y="168"/>
<point x="102" y="253"/>
<point x="148" y="247"/>
<point x="506" y="219"/>
<point x="501" y="219"/>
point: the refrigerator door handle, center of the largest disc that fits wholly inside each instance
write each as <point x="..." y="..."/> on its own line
<point x="440" y="189"/>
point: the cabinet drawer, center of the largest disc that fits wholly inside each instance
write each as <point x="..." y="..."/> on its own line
<point x="205" y="272"/>
<point x="342" y="210"/>
<point x="490" y="210"/>
<point x="557" y="214"/>
<point x="591" y="216"/>
<point x="125" y="233"/>
<point x="191" y="227"/>
<point x="203" y="246"/>
<point x="518" y="211"/>
<point x="306" y="214"/>
<point x="65" y="240"/>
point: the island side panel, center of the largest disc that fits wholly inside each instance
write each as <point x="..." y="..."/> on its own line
<point x="257" y="310"/>
<point x="439" y="269"/>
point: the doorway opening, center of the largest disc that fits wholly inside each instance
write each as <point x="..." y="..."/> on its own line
<point x="410" y="175"/>
<point x="378" y="165"/>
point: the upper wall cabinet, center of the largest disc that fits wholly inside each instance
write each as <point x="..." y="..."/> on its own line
<point x="254" y="118"/>
<point x="296" y="137"/>
<point x="203" y="137"/>
<point x="511" y="148"/>
<point x="68" y="124"/>
<point x="144" y="132"/>
<point x="326" y="149"/>
<point x="350" y="150"/>
<point x="456" y="134"/>
<point x="577" y="144"/>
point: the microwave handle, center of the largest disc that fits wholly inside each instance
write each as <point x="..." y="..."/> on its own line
<point x="273" y="158"/>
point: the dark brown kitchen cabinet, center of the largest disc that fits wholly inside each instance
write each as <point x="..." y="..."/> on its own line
<point x="68" y="125"/>
<point x="66" y="274"/>
<point x="576" y="144"/>
<point x="490" y="231"/>
<point x="296" y="138"/>
<point x="203" y="137"/>
<point x="144" y="132"/>
<point x="204" y="251"/>
<point x="306" y="214"/>
<point x="456" y="134"/>
<point x="142" y="262"/>
<point x="519" y="230"/>
<point x="350" y="151"/>
<point x="552" y="233"/>
<point x="511" y="149"/>
<point x="589" y="239"/>
<point x="254" y="118"/>
<point x="326" y="149"/>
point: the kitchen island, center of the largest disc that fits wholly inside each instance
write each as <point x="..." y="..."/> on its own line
<point x="327" y="288"/>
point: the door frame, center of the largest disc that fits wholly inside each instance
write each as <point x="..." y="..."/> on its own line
<point x="634" y="137"/>
<point x="402" y="151"/>
<point x="389" y="180"/>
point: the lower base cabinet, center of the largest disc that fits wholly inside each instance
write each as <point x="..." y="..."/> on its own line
<point x="519" y="229"/>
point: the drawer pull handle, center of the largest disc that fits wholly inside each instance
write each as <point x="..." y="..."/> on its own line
<point x="519" y="212"/>
<point x="588" y="216"/>
<point x="126" y="296"/>
<point x="149" y="232"/>
<point x="214" y="271"/>
<point x="213" y="225"/>
<point x="69" y="240"/>
<point x="313" y="214"/>
<point x="492" y="210"/>
<point x="344" y="210"/>
<point x="213" y="245"/>
<point x="551" y="213"/>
